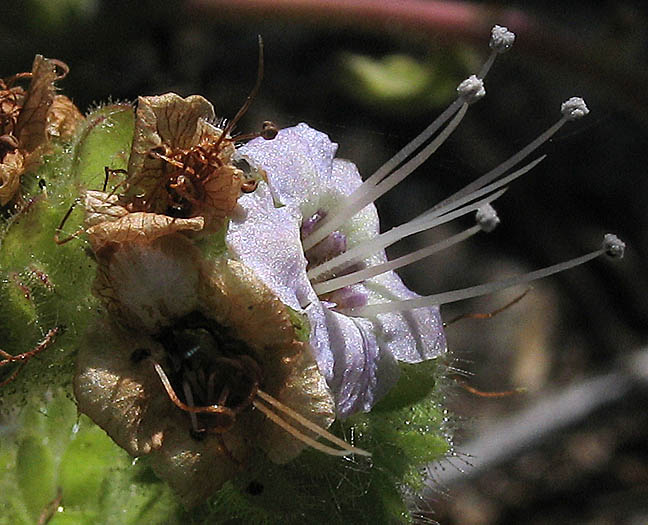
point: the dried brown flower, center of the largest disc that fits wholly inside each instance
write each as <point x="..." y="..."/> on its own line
<point x="198" y="365"/>
<point x="180" y="164"/>
<point x="28" y="118"/>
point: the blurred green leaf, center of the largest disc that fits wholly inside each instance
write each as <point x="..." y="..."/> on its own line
<point x="52" y="448"/>
<point x="398" y="83"/>
<point x="35" y="473"/>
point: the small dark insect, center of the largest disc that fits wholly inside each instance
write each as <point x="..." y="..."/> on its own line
<point x="255" y="488"/>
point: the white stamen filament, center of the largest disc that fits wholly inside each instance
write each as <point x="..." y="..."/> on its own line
<point x="395" y="234"/>
<point x="488" y="64"/>
<point x="422" y="137"/>
<point x="367" y="273"/>
<point x="473" y="291"/>
<point x="347" y="449"/>
<point x="501" y="40"/>
<point x="437" y="211"/>
<point x="424" y="218"/>
<point x="296" y="433"/>
<point x="358" y="200"/>
<point x="507" y="164"/>
<point x="410" y="147"/>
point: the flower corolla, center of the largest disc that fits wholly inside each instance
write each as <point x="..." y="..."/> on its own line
<point x="358" y="356"/>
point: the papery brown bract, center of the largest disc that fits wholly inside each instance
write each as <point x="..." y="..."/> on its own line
<point x="63" y="118"/>
<point x="139" y="225"/>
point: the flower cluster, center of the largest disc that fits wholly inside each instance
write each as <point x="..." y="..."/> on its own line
<point x="199" y="362"/>
<point x="298" y="320"/>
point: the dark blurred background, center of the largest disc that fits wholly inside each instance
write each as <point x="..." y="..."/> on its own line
<point x="371" y="74"/>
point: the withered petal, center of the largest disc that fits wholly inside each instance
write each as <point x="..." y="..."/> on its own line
<point x="169" y="119"/>
<point x="100" y="207"/>
<point x="238" y="299"/>
<point x="123" y="398"/>
<point x="32" y="121"/>
<point x="305" y="391"/>
<point x="11" y="168"/>
<point x="128" y="401"/>
<point x="63" y="118"/>
<point x="195" y="470"/>
<point x="139" y="226"/>
<point x="148" y="284"/>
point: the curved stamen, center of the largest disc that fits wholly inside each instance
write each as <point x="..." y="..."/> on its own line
<point x="297" y="434"/>
<point x="501" y="40"/>
<point x="209" y="409"/>
<point x="411" y="146"/>
<point x="358" y="200"/>
<point x="571" y="109"/>
<point x="468" y="92"/>
<point x="222" y="410"/>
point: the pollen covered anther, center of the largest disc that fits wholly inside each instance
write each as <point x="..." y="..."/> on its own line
<point x="613" y="246"/>
<point x="574" y="108"/>
<point x="501" y="39"/>
<point x="471" y="89"/>
<point x="487" y="218"/>
<point x="407" y="160"/>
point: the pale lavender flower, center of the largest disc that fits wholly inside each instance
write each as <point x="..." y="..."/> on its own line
<point x="312" y="236"/>
<point x="357" y="356"/>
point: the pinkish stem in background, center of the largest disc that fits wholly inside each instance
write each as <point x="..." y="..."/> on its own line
<point x="452" y="20"/>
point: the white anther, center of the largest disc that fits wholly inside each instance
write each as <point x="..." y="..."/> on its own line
<point x="501" y="39"/>
<point x="574" y="108"/>
<point x="487" y="218"/>
<point x="613" y="246"/>
<point x="471" y="89"/>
